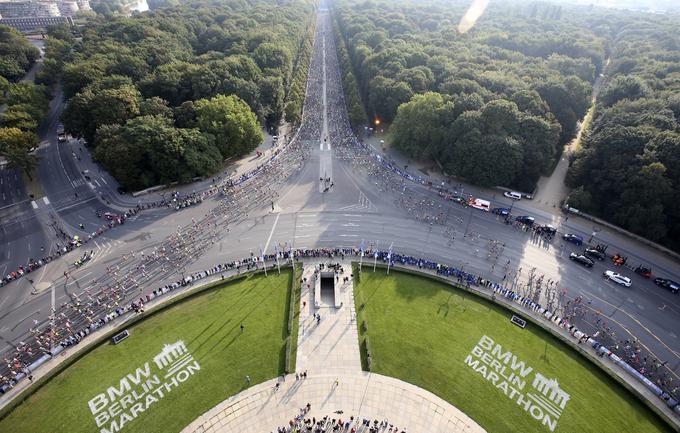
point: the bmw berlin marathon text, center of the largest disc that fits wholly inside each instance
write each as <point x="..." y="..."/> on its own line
<point x="137" y="391"/>
<point x="545" y="401"/>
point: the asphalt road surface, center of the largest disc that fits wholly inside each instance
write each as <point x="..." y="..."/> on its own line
<point x="309" y="212"/>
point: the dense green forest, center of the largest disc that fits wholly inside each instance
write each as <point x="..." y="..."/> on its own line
<point x="628" y="169"/>
<point x="169" y="94"/>
<point x="492" y="105"/>
<point x="24" y="104"/>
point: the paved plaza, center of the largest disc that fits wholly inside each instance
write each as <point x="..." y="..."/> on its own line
<point x="335" y="385"/>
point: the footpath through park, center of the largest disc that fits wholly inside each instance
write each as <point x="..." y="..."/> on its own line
<point x="335" y="385"/>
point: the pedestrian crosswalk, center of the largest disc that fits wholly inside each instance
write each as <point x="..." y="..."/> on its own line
<point x="103" y="247"/>
<point x="363" y="204"/>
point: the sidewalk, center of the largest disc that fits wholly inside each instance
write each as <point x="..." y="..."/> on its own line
<point x="332" y="345"/>
<point x="261" y="408"/>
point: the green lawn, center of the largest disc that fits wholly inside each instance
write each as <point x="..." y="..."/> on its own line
<point x="421" y="331"/>
<point x="209" y="325"/>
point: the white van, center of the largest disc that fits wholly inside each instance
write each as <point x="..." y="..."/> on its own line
<point x="513" y="195"/>
<point x="480" y="204"/>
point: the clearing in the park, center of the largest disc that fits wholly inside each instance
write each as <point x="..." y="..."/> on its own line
<point x="466" y="350"/>
<point x="174" y="366"/>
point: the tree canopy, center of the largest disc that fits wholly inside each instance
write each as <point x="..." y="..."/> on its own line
<point x="524" y="73"/>
<point x="17" y="54"/>
<point x="24" y="103"/>
<point x="628" y="168"/>
<point x="208" y="74"/>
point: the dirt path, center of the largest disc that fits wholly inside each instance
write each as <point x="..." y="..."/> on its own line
<point x="552" y="190"/>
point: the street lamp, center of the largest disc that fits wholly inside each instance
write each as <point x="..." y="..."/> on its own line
<point x="595" y="233"/>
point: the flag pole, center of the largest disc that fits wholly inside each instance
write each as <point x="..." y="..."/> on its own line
<point x="276" y="251"/>
<point x="361" y="256"/>
<point x="389" y="258"/>
<point x="263" y="262"/>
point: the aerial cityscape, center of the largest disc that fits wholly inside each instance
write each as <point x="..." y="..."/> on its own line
<point x="339" y="216"/>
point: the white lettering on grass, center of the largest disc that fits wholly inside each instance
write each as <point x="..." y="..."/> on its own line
<point x="135" y="392"/>
<point x="509" y="375"/>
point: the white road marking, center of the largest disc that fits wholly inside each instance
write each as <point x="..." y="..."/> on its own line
<point x="104" y="180"/>
<point x="349" y="236"/>
<point x="276" y="221"/>
<point x="302" y="236"/>
<point x="351" y="215"/>
<point x="80" y="279"/>
<point x="307" y="216"/>
<point x="97" y="182"/>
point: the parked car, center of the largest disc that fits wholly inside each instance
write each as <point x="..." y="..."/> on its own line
<point x="617" y="278"/>
<point x="595" y="253"/>
<point x="121" y="190"/>
<point x="643" y="271"/>
<point x="667" y="284"/>
<point x="524" y="219"/>
<point x="513" y="195"/>
<point x="582" y="259"/>
<point x="574" y="239"/>
<point x="502" y="211"/>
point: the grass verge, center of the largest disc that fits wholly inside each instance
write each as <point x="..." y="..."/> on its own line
<point x="422" y="330"/>
<point x="293" y="314"/>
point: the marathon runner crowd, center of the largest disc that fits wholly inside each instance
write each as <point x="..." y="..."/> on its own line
<point x="121" y="290"/>
<point x="303" y="423"/>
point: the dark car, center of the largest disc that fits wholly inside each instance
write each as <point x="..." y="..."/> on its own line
<point x="547" y="230"/>
<point x="667" y="284"/>
<point x="643" y="271"/>
<point x="502" y="211"/>
<point x="527" y="220"/>
<point x="574" y="239"/>
<point x="582" y="259"/>
<point x="121" y="190"/>
<point x="458" y="199"/>
<point x="595" y="253"/>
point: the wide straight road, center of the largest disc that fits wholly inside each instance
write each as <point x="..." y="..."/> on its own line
<point x="337" y="200"/>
